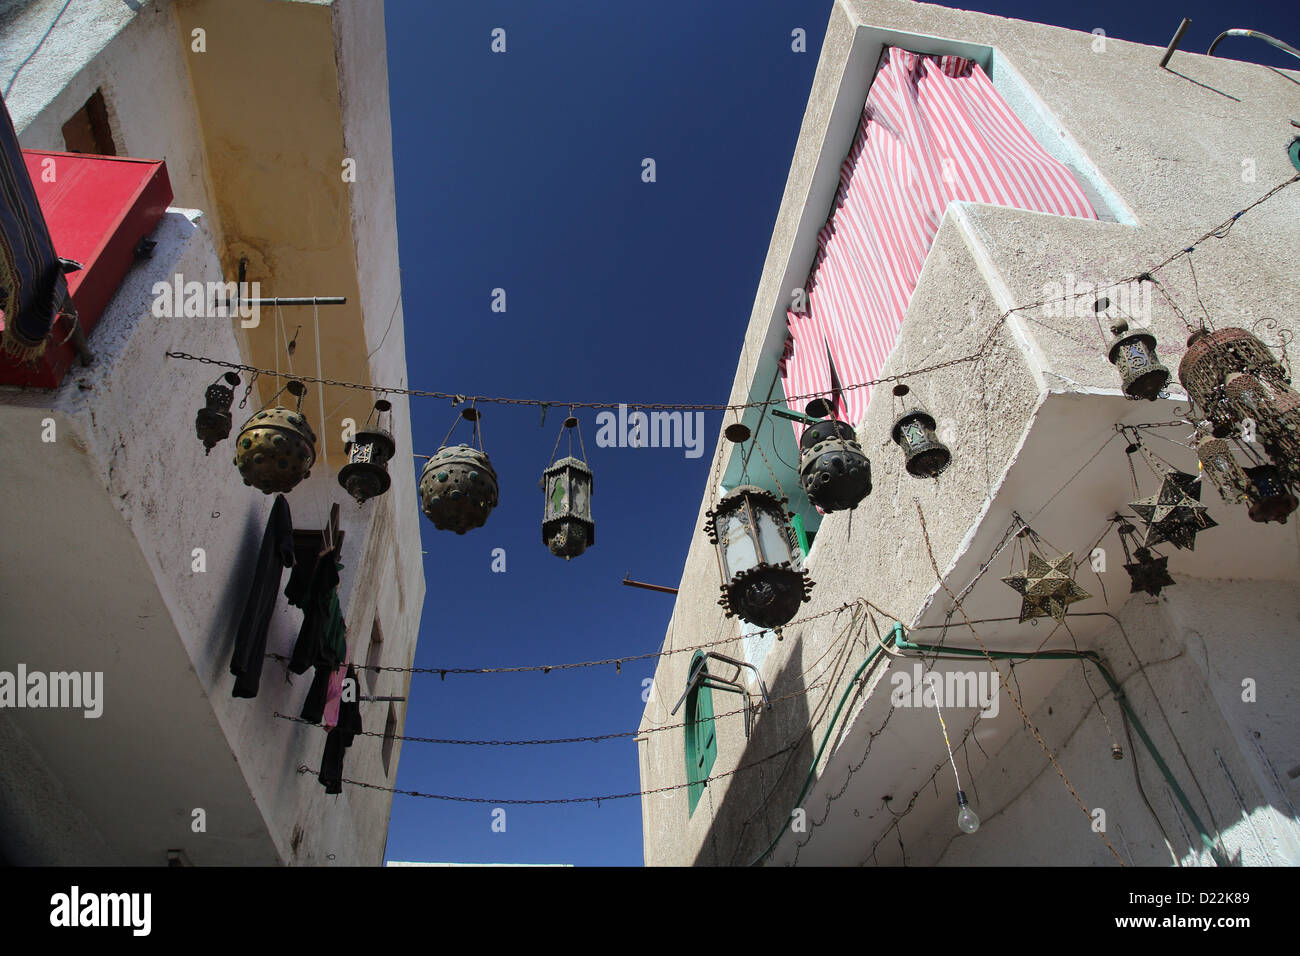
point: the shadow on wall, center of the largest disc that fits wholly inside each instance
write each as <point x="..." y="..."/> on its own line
<point x="758" y="802"/>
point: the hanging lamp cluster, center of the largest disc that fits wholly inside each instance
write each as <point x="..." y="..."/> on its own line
<point x="1244" y="394"/>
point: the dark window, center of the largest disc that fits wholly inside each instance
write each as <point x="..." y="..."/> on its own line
<point x="88" y="131"/>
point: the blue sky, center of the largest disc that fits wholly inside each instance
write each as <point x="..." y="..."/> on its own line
<point x="522" y="171"/>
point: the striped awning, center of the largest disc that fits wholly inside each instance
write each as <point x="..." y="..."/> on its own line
<point x="933" y="130"/>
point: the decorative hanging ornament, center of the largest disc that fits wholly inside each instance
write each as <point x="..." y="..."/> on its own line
<point x="1270" y="498"/>
<point x="365" y="476"/>
<point x="925" y="455"/>
<point x="1174" y="513"/>
<point x="1221" y="467"/>
<point x="567" y="528"/>
<point x="458" y="488"/>
<point x="756" y="558"/>
<point x="1133" y="352"/>
<point x="1213" y="358"/>
<point x="1048" y="587"/>
<point x="212" y="424"/>
<point x="834" y="470"/>
<point x="276" y="447"/>
<point x="1149" y="573"/>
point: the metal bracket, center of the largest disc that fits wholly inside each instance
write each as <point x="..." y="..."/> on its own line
<point x="700" y="677"/>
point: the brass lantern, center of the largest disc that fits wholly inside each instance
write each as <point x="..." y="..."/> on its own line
<point x="834" y="471"/>
<point x="1133" y="352"/>
<point x="756" y="557"/>
<point x="365" y="476"/>
<point x="276" y="447"/>
<point x="567" y="528"/>
<point x="926" y="456"/>
<point x="1270" y="498"/>
<point x="212" y="424"/>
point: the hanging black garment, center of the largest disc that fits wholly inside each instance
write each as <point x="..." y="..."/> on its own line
<point x="250" y="640"/>
<point x="313" y="708"/>
<point x="321" y="618"/>
<point x="340" y="738"/>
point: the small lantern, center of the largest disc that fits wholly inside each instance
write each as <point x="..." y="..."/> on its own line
<point x="834" y="470"/>
<point x="1149" y="573"/>
<point x="756" y="558"/>
<point x="1270" y="498"/>
<point x="1133" y="352"/>
<point x="926" y="456"/>
<point x="1220" y="466"/>
<point x="276" y="447"/>
<point x="212" y="424"/>
<point x="567" y="528"/>
<point x="365" y="476"/>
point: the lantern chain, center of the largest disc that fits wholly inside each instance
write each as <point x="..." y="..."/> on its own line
<point x="562" y="800"/>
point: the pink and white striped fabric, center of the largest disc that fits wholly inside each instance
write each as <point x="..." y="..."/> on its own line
<point x="933" y="131"/>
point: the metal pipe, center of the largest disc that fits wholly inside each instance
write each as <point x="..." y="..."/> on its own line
<point x="627" y="579"/>
<point x="299" y="300"/>
<point x="1173" y="44"/>
<point x="1284" y="47"/>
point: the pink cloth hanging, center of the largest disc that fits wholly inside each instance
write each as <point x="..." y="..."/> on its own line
<point x="933" y="130"/>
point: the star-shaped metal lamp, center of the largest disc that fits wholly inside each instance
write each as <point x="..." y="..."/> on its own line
<point x="1174" y="513"/>
<point x="1149" y="573"/>
<point x="1048" y="587"/>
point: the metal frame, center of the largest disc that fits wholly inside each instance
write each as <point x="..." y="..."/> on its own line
<point x="700" y="678"/>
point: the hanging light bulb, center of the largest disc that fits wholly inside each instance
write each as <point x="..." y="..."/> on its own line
<point x="967" y="821"/>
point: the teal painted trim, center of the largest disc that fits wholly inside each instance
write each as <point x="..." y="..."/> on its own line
<point x="1294" y="152"/>
<point x="701" y="738"/>
<point x="801" y="533"/>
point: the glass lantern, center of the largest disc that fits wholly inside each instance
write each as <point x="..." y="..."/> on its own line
<point x="567" y="528"/>
<point x="756" y="558"/>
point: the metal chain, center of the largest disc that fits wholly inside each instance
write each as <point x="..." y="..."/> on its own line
<point x="535" y="802"/>
<point x="619" y="661"/>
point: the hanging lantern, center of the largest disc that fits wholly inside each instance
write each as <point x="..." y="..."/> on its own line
<point x="365" y="476"/>
<point x="1212" y="357"/>
<point x="1149" y="573"/>
<point x="458" y="488"/>
<point x="1174" y="513"/>
<point x="834" y="470"/>
<point x="276" y="447"/>
<point x="1133" y="352"/>
<point x="756" y="558"/>
<point x="1047" y="587"/>
<point x="212" y="424"/>
<point x="1270" y="498"/>
<point x="567" y="528"/>
<point x="1220" y="466"/>
<point x="926" y="456"/>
